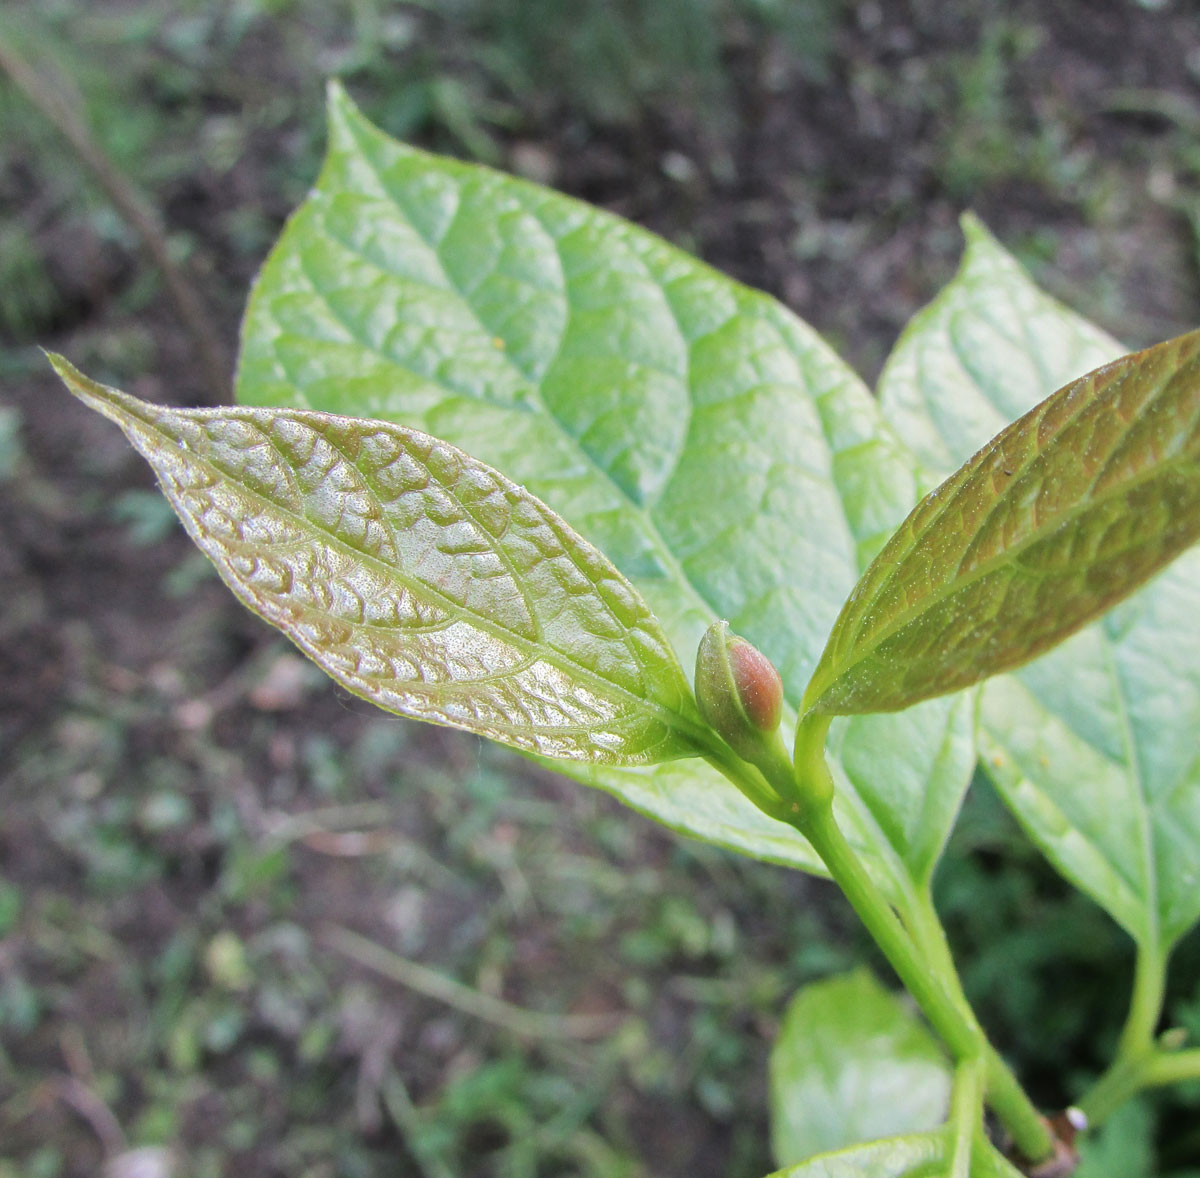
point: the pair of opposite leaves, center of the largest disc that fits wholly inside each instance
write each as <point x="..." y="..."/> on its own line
<point x="428" y="583"/>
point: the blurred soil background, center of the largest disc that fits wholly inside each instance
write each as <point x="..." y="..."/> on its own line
<point x="250" y="927"/>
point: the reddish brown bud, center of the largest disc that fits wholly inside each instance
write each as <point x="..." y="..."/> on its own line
<point x="738" y="689"/>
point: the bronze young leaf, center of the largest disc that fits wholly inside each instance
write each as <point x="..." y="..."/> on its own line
<point x="1061" y="515"/>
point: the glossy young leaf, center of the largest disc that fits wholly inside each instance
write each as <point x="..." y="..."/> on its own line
<point x="693" y="430"/>
<point x="852" y="1063"/>
<point x="417" y="577"/>
<point x="1092" y="745"/>
<point x="1057" y="518"/>
<point x="918" y="1155"/>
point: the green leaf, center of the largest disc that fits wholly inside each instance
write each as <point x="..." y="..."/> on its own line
<point x="1092" y="745"/>
<point x="1094" y="749"/>
<point x="985" y="351"/>
<point x="919" y="1155"/>
<point x="1057" y="518"/>
<point x="417" y="577"/>
<point x="852" y="1063"/>
<point x="1123" y="1147"/>
<point x="695" y="431"/>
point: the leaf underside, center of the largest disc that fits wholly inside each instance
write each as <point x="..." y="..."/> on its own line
<point x="708" y="442"/>
<point x="1092" y="745"/>
<point x="417" y="577"/>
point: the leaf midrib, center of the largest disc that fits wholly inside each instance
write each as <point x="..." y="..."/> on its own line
<point x="1145" y="819"/>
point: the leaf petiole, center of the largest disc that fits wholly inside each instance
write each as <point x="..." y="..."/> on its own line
<point x="1171" y="1067"/>
<point x="1145" y="1006"/>
<point x="1137" y="1056"/>
<point x="749" y="780"/>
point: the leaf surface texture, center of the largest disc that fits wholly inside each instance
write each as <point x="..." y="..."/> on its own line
<point x="1093" y="745"/>
<point x="692" y="429"/>
<point x="1053" y="521"/>
<point x="417" y="577"/>
<point x="852" y="1064"/>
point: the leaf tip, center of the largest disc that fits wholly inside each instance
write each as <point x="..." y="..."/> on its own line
<point x="59" y="363"/>
<point x="112" y="403"/>
<point x="77" y="384"/>
<point x="335" y="92"/>
<point x="339" y="106"/>
<point x="974" y="230"/>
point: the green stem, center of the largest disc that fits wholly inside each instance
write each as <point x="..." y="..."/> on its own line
<point x="953" y="1022"/>
<point x="966" y="1114"/>
<point x="922" y="921"/>
<point x="961" y="1035"/>
<point x="1146" y="1003"/>
<point x="1171" y="1067"/>
<point x="1129" y="1075"/>
<point x="946" y="1010"/>
<point x="1135" y="1049"/>
<point x="926" y="929"/>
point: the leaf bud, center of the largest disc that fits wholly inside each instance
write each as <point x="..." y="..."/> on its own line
<point x="738" y="689"/>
